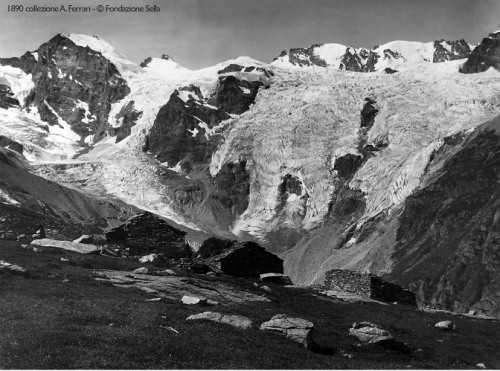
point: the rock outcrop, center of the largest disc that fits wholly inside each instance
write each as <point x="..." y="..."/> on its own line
<point x="73" y="85"/>
<point x="295" y="329"/>
<point x="82" y="248"/>
<point x="241" y="259"/>
<point x="484" y="56"/>
<point x="370" y="333"/>
<point x="147" y="233"/>
<point x="450" y="50"/>
<point x="231" y="320"/>
<point x="445" y="325"/>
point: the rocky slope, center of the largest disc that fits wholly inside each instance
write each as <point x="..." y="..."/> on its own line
<point x="485" y="56"/>
<point x="326" y="166"/>
<point x="28" y="202"/>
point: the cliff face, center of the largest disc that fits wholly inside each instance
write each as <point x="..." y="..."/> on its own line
<point x="74" y="87"/>
<point x="485" y="55"/>
<point x="446" y="244"/>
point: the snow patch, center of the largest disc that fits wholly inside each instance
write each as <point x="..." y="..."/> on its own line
<point x="7" y="199"/>
<point x="126" y="68"/>
<point x="19" y="82"/>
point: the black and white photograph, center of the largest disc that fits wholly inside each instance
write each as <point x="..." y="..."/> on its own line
<point x="249" y="184"/>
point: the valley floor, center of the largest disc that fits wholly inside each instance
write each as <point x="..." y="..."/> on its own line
<point x="57" y="315"/>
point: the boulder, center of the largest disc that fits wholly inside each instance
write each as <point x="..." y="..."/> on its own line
<point x="148" y="258"/>
<point x="240" y="259"/>
<point x="91" y="239"/>
<point x="141" y="270"/>
<point x="167" y="272"/>
<point x="295" y="329"/>
<point x="146" y="234"/>
<point x="40" y="233"/>
<point x="445" y="325"/>
<point x="276" y="278"/>
<point x="233" y="320"/>
<point x="193" y="300"/>
<point x="11" y="267"/>
<point x="84" y="238"/>
<point x="370" y="333"/>
<point x="67" y="245"/>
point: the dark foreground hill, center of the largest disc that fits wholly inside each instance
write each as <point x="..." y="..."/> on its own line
<point x="57" y="315"/>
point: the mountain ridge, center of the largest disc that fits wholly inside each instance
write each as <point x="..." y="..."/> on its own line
<point x="316" y="163"/>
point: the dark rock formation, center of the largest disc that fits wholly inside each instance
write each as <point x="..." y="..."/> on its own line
<point x="11" y="144"/>
<point x="368" y="113"/>
<point x="447" y="242"/>
<point x="358" y="60"/>
<point x="484" y="56"/>
<point x="241" y="259"/>
<point x="295" y="329"/>
<point x="278" y="278"/>
<point x="383" y="290"/>
<point x="6" y="97"/>
<point x="368" y="285"/>
<point x="231" y="68"/>
<point x="457" y="50"/>
<point x="304" y="57"/>
<point x="148" y="60"/>
<point x="67" y="78"/>
<point x="172" y="137"/>
<point x="347" y="165"/>
<point x="148" y="233"/>
<point x="233" y="185"/>
<point x="233" y="95"/>
<point x="214" y="246"/>
<point x="129" y="116"/>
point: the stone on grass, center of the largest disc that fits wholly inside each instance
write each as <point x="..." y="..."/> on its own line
<point x="276" y="278"/>
<point x="295" y="329"/>
<point x="370" y="333"/>
<point x="266" y="289"/>
<point x="67" y="245"/>
<point x="141" y="270"/>
<point x="11" y="267"/>
<point x="445" y="325"/>
<point x="167" y="272"/>
<point x="232" y="320"/>
<point x="193" y="300"/>
<point x="84" y="238"/>
<point x="148" y="258"/>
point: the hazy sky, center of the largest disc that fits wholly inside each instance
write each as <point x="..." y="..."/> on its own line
<point x="200" y="33"/>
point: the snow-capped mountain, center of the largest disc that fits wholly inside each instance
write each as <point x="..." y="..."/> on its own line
<point x="395" y="54"/>
<point x="325" y="165"/>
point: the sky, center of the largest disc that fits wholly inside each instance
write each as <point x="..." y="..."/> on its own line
<point x="201" y="33"/>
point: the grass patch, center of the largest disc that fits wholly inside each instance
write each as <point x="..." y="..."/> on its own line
<point x="59" y="317"/>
